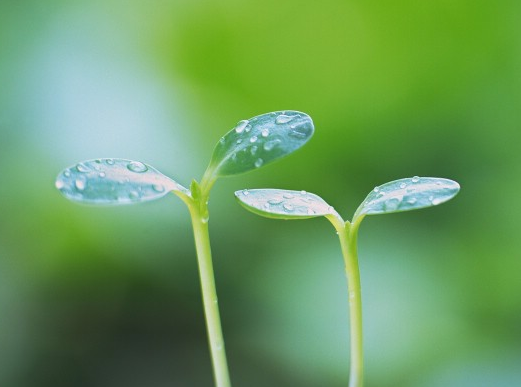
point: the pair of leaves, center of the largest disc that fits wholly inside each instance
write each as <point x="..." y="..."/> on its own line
<point x="396" y="196"/>
<point x="251" y="144"/>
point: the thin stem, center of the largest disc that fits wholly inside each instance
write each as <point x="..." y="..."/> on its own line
<point x="348" y="240"/>
<point x="199" y="214"/>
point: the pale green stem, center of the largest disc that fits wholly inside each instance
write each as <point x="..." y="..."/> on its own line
<point x="348" y="240"/>
<point x="199" y="213"/>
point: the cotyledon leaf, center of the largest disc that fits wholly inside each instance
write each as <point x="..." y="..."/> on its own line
<point x="259" y="141"/>
<point x="283" y="204"/>
<point x="114" y="181"/>
<point x="408" y="194"/>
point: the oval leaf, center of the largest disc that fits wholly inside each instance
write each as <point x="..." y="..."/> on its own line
<point x="114" y="181"/>
<point x="283" y="204"/>
<point x="259" y="141"/>
<point x="408" y="194"/>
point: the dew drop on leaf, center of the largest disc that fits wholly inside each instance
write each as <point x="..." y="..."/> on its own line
<point x="136" y="166"/>
<point x="288" y="207"/>
<point x="253" y="139"/>
<point x="283" y="119"/>
<point x="258" y="163"/>
<point x="80" y="184"/>
<point x="82" y="168"/>
<point x="403" y="185"/>
<point x="241" y="126"/>
<point x="265" y="132"/>
<point x="415" y="179"/>
<point x="102" y="174"/>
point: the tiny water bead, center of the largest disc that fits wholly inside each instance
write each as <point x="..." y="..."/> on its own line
<point x="265" y="132"/>
<point x="80" y="184"/>
<point x="376" y="189"/>
<point x="253" y="150"/>
<point x="158" y="188"/>
<point x="288" y="196"/>
<point x="253" y="139"/>
<point x="415" y="179"/>
<point x="241" y="126"/>
<point x="403" y="185"/>
<point x="288" y="207"/>
<point x="258" y="163"/>
<point x="109" y="161"/>
<point x="268" y="146"/>
<point x="102" y="174"/>
<point x="136" y="166"/>
<point x="82" y="168"/>
<point x="59" y="184"/>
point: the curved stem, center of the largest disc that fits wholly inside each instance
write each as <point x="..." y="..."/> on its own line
<point x="199" y="213"/>
<point x="348" y="240"/>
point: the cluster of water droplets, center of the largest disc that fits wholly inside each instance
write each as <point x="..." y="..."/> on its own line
<point x="409" y="194"/>
<point x="284" y="202"/>
<point x="256" y="141"/>
<point x="114" y="181"/>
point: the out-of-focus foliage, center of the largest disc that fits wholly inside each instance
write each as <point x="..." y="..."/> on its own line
<point x="110" y="297"/>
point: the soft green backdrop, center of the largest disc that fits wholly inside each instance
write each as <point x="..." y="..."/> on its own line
<point x="109" y="297"/>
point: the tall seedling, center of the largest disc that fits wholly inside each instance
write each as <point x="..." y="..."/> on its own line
<point x="395" y="196"/>
<point x="250" y="145"/>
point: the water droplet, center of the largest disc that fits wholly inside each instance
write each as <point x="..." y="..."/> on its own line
<point x="109" y="161"/>
<point x="403" y="185"/>
<point x="303" y="192"/>
<point x="411" y="201"/>
<point x="311" y="212"/>
<point x="253" y="150"/>
<point x="297" y="134"/>
<point x="287" y="196"/>
<point x="133" y="195"/>
<point x="258" y="163"/>
<point x="136" y="166"/>
<point x="293" y="126"/>
<point x="80" y="184"/>
<point x="205" y="219"/>
<point x="241" y="126"/>
<point x="253" y="139"/>
<point x="288" y="207"/>
<point x="248" y="128"/>
<point x="376" y="189"/>
<point x="270" y="145"/>
<point x="222" y="140"/>
<point x="439" y="183"/>
<point x="102" y="174"/>
<point x="82" y="168"/>
<point x="239" y="141"/>
<point x="245" y="192"/>
<point x="436" y="201"/>
<point x="265" y="132"/>
<point x="352" y="295"/>
<point x="158" y="188"/>
<point x="274" y="201"/>
<point x="431" y="198"/>
<point x="415" y="179"/>
<point x="283" y="119"/>
<point x="392" y="204"/>
<point x="67" y="173"/>
<point x="59" y="184"/>
<point x="381" y="193"/>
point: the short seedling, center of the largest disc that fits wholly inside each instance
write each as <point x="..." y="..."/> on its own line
<point x="250" y="145"/>
<point x="395" y="196"/>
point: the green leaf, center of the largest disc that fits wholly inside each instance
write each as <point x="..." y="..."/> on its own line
<point x="260" y="140"/>
<point x="408" y="194"/>
<point x="283" y="204"/>
<point x="114" y="181"/>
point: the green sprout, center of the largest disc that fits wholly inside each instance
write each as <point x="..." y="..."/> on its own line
<point x="250" y="145"/>
<point x="396" y="196"/>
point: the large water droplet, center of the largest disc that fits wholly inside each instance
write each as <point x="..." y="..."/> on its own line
<point x="265" y="132"/>
<point x="241" y="126"/>
<point x="82" y="168"/>
<point x="258" y="163"/>
<point x="415" y="179"/>
<point x="287" y="207"/>
<point x="158" y="188"/>
<point x="283" y="119"/>
<point x="136" y="166"/>
<point x="80" y="184"/>
<point x="253" y="139"/>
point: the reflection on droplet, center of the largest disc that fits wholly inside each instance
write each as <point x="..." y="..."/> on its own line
<point x="80" y="184"/>
<point x="109" y="161"/>
<point x="67" y="173"/>
<point x="253" y="139"/>
<point x="59" y="184"/>
<point x="403" y="185"/>
<point x="258" y="163"/>
<point x="303" y="192"/>
<point x="265" y="133"/>
<point x="283" y="119"/>
<point x="415" y="179"/>
<point x="376" y="189"/>
<point x="136" y="166"/>
<point x="82" y="168"/>
<point x="411" y="201"/>
<point x="239" y="141"/>
<point x="102" y="174"/>
<point x="436" y="201"/>
<point x="241" y="126"/>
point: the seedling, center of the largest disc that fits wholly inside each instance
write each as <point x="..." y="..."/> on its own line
<point x="250" y="145"/>
<point x="395" y="196"/>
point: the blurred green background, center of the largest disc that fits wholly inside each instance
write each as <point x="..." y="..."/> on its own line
<point x="110" y="297"/>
